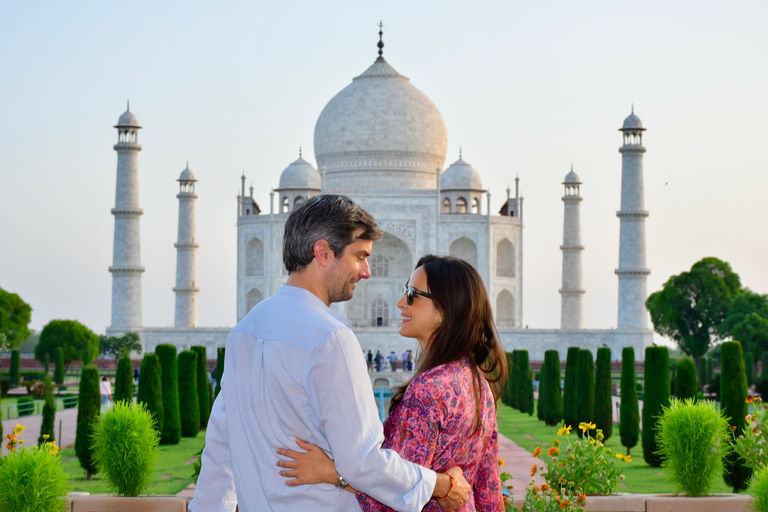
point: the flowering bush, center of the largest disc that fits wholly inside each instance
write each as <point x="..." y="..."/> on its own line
<point x="752" y="445"/>
<point x="584" y="466"/>
<point x="32" y="478"/>
<point x="541" y="498"/>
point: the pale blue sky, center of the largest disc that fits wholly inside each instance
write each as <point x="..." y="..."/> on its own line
<point x="524" y="87"/>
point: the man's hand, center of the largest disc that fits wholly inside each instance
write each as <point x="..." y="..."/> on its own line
<point x="459" y="495"/>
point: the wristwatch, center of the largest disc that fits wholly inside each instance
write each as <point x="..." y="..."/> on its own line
<point x="341" y="483"/>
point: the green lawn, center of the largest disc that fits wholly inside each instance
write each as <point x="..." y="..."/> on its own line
<point x="173" y="469"/>
<point x="528" y="432"/>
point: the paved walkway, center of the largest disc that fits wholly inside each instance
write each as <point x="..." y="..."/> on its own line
<point x="67" y="417"/>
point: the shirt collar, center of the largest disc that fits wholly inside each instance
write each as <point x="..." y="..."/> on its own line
<point x="314" y="300"/>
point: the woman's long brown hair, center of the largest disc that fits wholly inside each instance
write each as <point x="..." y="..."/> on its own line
<point x="467" y="329"/>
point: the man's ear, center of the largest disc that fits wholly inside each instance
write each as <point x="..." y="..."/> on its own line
<point x="323" y="253"/>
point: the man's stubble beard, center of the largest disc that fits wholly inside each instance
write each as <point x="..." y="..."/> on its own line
<point x="338" y="285"/>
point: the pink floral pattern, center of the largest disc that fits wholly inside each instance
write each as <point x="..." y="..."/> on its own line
<point x="432" y="425"/>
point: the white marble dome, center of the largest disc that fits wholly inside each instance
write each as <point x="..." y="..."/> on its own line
<point x="128" y="120"/>
<point x="187" y="175"/>
<point x="461" y="176"/>
<point x="380" y="125"/>
<point x="300" y="175"/>
<point x="632" y="122"/>
<point x="572" y="178"/>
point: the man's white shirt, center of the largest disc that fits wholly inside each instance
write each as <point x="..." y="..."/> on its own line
<point x="293" y="369"/>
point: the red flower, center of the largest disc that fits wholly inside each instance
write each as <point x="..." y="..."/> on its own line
<point x="537" y="452"/>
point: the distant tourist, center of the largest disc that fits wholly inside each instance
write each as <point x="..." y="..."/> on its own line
<point x="105" y="388"/>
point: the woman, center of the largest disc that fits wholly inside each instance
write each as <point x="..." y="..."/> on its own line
<point x="446" y="414"/>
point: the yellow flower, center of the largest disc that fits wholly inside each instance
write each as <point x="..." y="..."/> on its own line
<point x="620" y="456"/>
<point x="501" y="462"/>
<point x="565" y="429"/>
<point x="628" y="458"/>
<point x="19" y="429"/>
<point x="591" y="426"/>
<point x="46" y="436"/>
<point x="556" y="442"/>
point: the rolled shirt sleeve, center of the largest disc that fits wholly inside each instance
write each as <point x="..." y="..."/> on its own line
<point x="340" y="391"/>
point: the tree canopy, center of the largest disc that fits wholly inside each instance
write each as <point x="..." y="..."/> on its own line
<point x="15" y="315"/>
<point x="692" y="305"/>
<point x="116" y="346"/>
<point x="747" y="321"/>
<point x="73" y="337"/>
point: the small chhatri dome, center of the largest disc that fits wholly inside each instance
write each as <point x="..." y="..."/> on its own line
<point x="632" y="122"/>
<point x="128" y="120"/>
<point x="461" y="176"/>
<point x="572" y="178"/>
<point x="187" y="175"/>
<point x="300" y="175"/>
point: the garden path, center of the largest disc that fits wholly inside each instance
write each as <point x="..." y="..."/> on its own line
<point x="67" y="417"/>
<point x="517" y="462"/>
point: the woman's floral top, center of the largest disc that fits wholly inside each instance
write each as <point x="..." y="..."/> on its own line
<point x="432" y="425"/>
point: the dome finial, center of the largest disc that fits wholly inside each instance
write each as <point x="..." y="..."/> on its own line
<point x="299" y="150"/>
<point x="381" y="42"/>
<point x="633" y="107"/>
<point x="459" y="152"/>
<point x="128" y="108"/>
<point x="571" y="166"/>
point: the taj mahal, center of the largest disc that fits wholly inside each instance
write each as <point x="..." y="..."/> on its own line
<point x="382" y="142"/>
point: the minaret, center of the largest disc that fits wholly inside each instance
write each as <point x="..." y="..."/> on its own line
<point x="632" y="270"/>
<point x="572" y="302"/>
<point x="126" y="266"/>
<point x="186" y="254"/>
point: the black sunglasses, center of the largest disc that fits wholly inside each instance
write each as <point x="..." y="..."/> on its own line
<point x="410" y="291"/>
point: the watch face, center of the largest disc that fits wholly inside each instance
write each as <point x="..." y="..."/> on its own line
<point x="341" y="482"/>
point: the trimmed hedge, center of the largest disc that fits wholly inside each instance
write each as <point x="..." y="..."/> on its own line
<point x="25" y="406"/>
<point x="508" y="392"/>
<point x="733" y="403"/>
<point x="15" y="366"/>
<point x="88" y="412"/>
<point x="220" y="352"/>
<point x="603" y="415"/>
<point x="171" y="433"/>
<point x="516" y="379"/>
<point x="124" y="380"/>
<point x="189" y="407"/>
<point x="585" y="408"/>
<point x="150" y="392"/>
<point x="655" y="397"/>
<point x="685" y="384"/>
<point x="524" y="383"/>
<point x="550" y="406"/>
<point x="571" y="391"/>
<point x="629" y="410"/>
<point x="58" y="363"/>
<point x="203" y="398"/>
<point x="529" y="395"/>
<point x="49" y="414"/>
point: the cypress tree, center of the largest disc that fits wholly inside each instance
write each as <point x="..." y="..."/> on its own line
<point x="150" y="391"/>
<point x="570" y="389"/>
<point x="49" y="413"/>
<point x="550" y="407"/>
<point x="171" y="433"/>
<point x="733" y="396"/>
<point x="749" y="368"/>
<point x="88" y="411"/>
<point x="603" y="415"/>
<point x="188" y="404"/>
<point x="58" y="362"/>
<point x="516" y="376"/>
<point x="586" y="389"/>
<point x="219" y="370"/>
<point x="764" y="361"/>
<point x="15" y="367"/>
<point x="203" y="398"/>
<point x="629" y="411"/>
<point x="124" y="380"/>
<point x="529" y="385"/>
<point x="508" y="392"/>
<point x="685" y="384"/>
<point x="524" y="381"/>
<point x="655" y="397"/>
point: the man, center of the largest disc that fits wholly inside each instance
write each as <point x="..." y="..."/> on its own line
<point x="105" y="388"/>
<point x="393" y="360"/>
<point x="293" y="370"/>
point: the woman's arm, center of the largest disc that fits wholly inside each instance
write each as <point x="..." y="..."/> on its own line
<point x="310" y="467"/>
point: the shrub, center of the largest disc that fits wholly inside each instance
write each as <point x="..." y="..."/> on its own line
<point x="749" y="368"/>
<point x="516" y="379"/>
<point x="5" y="386"/>
<point x="190" y="409"/>
<point x="570" y="389"/>
<point x="219" y="369"/>
<point x="752" y="444"/>
<point x="171" y="433"/>
<point x="15" y="366"/>
<point x="714" y="387"/>
<point x="529" y="386"/>
<point x="33" y="480"/>
<point x="758" y="489"/>
<point x="124" y="446"/>
<point x="629" y="410"/>
<point x="124" y="380"/>
<point x="685" y="384"/>
<point x="150" y="391"/>
<point x="203" y="398"/>
<point x="733" y="396"/>
<point x="88" y="411"/>
<point x="586" y="389"/>
<point x="70" y="403"/>
<point x="25" y="406"/>
<point x="508" y="392"/>
<point x="550" y="406"/>
<point x="655" y="398"/>
<point x="49" y="414"/>
<point x="764" y="365"/>
<point x="524" y="383"/>
<point x="692" y="438"/>
<point x="58" y="362"/>
<point x="603" y="415"/>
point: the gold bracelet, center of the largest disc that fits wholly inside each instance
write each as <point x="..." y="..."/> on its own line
<point x="453" y="484"/>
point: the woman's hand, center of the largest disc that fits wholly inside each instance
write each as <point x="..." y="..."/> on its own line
<point x="310" y="467"/>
